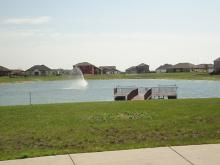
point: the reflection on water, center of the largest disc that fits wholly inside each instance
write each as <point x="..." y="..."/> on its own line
<point x="79" y="90"/>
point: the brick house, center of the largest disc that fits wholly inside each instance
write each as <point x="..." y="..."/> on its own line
<point x="88" y="68"/>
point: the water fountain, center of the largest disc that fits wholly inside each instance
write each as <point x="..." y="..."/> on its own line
<point x="79" y="81"/>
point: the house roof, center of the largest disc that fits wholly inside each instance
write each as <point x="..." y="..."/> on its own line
<point x="4" y="69"/>
<point x="86" y="64"/>
<point x="109" y="69"/>
<point x="218" y="59"/>
<point x="131" y="68"/>
<point x="204" y="66"/>
<point x="165" y="66"/>
<point x="183" y="66"/>
<point x="39" y="67"/>
<point x="83" y="64"/>
<point x="135" y="67"/>
<point x="142" y="64"/>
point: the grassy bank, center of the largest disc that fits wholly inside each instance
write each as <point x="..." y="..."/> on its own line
<point x="183" y="76"/>
<point x="37" y="130"/>
<point x="180" y="76"/>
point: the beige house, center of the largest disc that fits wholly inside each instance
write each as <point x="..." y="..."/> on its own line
<point x="182" y="67"/>
<point x="38" y="70"/>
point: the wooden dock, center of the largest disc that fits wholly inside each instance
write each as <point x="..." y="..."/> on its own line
<point x="145" y="93"/>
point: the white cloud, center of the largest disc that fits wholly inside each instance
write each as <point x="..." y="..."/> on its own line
<point x="28" y="20"/>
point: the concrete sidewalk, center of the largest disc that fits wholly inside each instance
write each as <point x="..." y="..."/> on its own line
<point x="180" y="155"/>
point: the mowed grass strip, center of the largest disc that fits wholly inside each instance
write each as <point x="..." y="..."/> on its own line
<point x="39" y="130"/>
<point x="180" y="76"/>
<point x="174" y="76"/>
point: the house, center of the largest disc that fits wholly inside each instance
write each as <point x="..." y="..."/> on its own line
<point x="163" y="68"/>
<point x="132" y="69"/>
<point x="4" y="71"/>
<point x="88" y="68"/>
<point x="109" y="70"/>
<point x="38" y="70"/>
<point x="58" y="72"/>
<point x="209" y="68"/>
<point x="142" y="68"/>
<point x="217" y="66"/>
<point x="182" y="67"/>
<point x="17" y="72"/>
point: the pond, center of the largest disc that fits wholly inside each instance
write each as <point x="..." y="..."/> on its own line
<point x="96" y="90"/>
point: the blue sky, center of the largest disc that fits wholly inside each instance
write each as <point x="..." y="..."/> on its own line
<point x="108" y="32"/>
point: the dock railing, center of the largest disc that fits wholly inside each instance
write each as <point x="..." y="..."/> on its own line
<point x="164" y="91"/>
<point x="125" y="93"/>
<point x="146" y="93"/>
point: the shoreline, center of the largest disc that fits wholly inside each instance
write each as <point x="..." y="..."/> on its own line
<point x="162" y="76"/>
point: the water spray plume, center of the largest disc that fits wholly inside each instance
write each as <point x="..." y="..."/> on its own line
<point x="79" y="81"/>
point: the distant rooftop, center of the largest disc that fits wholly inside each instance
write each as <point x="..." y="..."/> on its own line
<point x="218" y="59"/>
<point x="142" y="64"/>
<point x="39" y="67"/>
<point x="184" y="65"/>
<point x="165" y="66"/>
<point x="132" y="67"/>
<point x="107" y="67"/>
<point x="203" y="66"/>
<point x="4" y="69"/>
<point x="83" y="64"/>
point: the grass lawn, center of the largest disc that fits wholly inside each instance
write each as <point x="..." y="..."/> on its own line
<point x="37" y="130"/>
<point x="184" y="76"/>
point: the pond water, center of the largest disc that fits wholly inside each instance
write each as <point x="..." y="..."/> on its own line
<point x="96" y="90"/>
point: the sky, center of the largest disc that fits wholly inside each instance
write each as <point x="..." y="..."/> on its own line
<point x="123" y="33"/>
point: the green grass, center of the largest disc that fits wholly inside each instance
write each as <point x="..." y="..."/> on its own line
<point x="38" y="130"/>
<point x="184" y="76"/>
